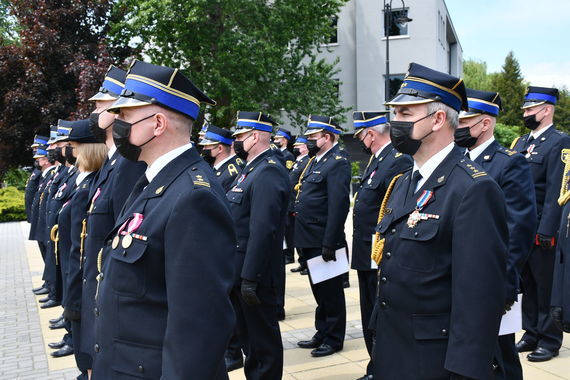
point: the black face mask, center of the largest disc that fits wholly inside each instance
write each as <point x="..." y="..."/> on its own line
<point x="296" y="152"/>
<point x="463" y="136"/>
<point x="400" y="134"/>
<point x="100" y="134"/>
<point x="313" y="148"/>
<point x="58" y="155"/>
<point x="68" y="152"/>
<point x="51" y="156"/>
<point x="37" y="165"/>
<point x="121" y="133"/>
<point x="207" y="156"/>
<point x="278" y="144"/>
<point x="240" y="150"/>
<point x="365" y="148"/>
<point x="530" y="121"/>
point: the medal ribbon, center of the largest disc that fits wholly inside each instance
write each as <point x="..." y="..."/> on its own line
<point x="131" y="224"/>
<point x="97" y="193"/>
<point x="423" y="199"/>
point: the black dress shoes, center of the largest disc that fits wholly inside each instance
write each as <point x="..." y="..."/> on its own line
<point x="56" y="345"/>
<point x="289" y="260"/>
<point x="64" y="351"/>
<point x="541" y="355"/>
<point x="43" y="300"/>
<point x="346" y="284"/>
<point x="523" y="346"/>
<point x="50" y="303"/>
<point x="297" y="269"/>
<point x="55" y="320"/>
<point x="366" y="377"/>
<point x="304" y="272"/>
<point x="313" y="343"/>
<point x="40" y="291"/>
<point x="233" y="363"/>
<point x="323" y="350"/>
<point x="58" y="325"/>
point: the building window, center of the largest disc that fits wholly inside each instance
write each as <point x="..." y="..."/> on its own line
<point x="333" y="39"/>
<point x="392" y="21"/>
<point x="396" y="81"/>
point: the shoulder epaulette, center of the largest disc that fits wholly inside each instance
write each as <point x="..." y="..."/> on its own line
<point x="514" y="142"/>
<point x="398" y="154"/>
<point x="471" y="169"/>
<point x="270" y="161"/>
<point x="508" y="152"/>
<point x="339" y="158"/>
<point x="198" y="179"/>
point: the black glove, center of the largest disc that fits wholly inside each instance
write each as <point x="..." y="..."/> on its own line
<point x="545" y="242"/>
<point x="508" y="306"/>
<point x="455" y="376"/>
<point x="328" y="254"/>
<point x="248" y="289"/>
<point x="72" y="315"/>
<point x="558" y="318"/>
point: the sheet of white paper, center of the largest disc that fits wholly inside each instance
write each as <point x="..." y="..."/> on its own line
<point x="284" y="244"/>
<point x="322" y="270"/>
<point x="373" y="264"/>
<point x="512" y="321"/>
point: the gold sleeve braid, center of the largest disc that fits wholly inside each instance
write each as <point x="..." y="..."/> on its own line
<point x="378" y="244"/>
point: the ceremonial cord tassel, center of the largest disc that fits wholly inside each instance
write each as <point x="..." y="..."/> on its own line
<point x="378" y="243"/>
<point x="298" y="185"/>
<point x="54" y="236"/>
<point x="82" y="246"/>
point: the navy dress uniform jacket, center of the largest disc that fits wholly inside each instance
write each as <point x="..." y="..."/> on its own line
<point x="31" y="188"/>
<point x="115" y="180"/>
<point x="228" y="172"/>
<point x="322" y="205"/>
<point x="36" y="205"/>
<point x="441" y="291"/>
<point x="294" y="175"/>
<point x="163" y="303"/>
<point x="373" y="186"/>
<point x="547" y="169"/>
<point x="289" y="158"/>
<point x="511" y="171"/>
<point x="561" y="281"/>
<point x="258" y="201"/>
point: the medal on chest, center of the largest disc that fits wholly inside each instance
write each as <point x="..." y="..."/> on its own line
<point x="416" y="216"/>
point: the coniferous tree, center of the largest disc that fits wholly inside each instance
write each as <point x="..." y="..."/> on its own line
<point x="509" y="83"/>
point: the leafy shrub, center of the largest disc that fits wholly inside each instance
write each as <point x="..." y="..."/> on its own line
<point x="16" y="177"/>
<point x="12" y="204"/>
<point x="505" y="134"/>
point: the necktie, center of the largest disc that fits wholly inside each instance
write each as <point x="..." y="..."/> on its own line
<point x="416" y="177"/>
<point x="467" y="154"/>
<point x="137" y="190"/>
<point x="529" y="142"/>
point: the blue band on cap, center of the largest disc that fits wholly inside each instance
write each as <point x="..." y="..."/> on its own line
<point x="63" y="131"/>
<point x="41" y="152"/>
<point x="284" y="134"/>
<point x="539" y="96"/>
<point x="493" y="110"/>
<point x="318" y="125"/>
<point x="214" y="136"/>
<point x="177" y="103"/>
<point x="370" y="123"/>
<point x="112" y="86"/>
<point x="254" y="125"/>
<point x="40" y="141"/>
<point x="301" y="140"/>
<point x="446" y="97"/>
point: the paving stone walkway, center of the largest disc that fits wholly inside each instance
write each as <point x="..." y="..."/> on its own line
<point x="24" y="328"/>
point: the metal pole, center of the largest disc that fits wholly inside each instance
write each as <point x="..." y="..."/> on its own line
<point x="387" y="22"/>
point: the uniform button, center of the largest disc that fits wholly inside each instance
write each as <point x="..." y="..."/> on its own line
<point x="393" y="230"/>
<point x="124" y="253"/>
<point x="416" y="233"/>
<point x="383" y="304"/>
<point x="141" y="368"/>
<point x="388" y="255"/>
<point x="96" y="311"/>
<point x="383" y="279"/>
<point x="85" y="281"/>
<point x="444" y="332"/>
<point x="96" y="348"/>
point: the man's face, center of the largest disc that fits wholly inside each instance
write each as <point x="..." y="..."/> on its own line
<point x="534" y="111"/>
<point x="302" y="149"/>
<point x="105" y="118"/>
<point x="413" y="113"/>
<point x="142" y="130"/>
<point x="43" y="162"/>
<point x="474" y="123"/>
<point x="280" y="141"/>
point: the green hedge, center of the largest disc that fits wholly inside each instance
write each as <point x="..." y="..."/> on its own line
<point x="12" y="205"/>
<point x="505" y="134"/>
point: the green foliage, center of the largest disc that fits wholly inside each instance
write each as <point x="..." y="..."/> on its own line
<point x="355" y="170"/>
<point x="16" y="178"/>
<point x="562" y="112"/>
<point x="475" y="75"/>
<point x="505" y="134"/>
<point x="509" y="83"/>
<point x="245" y="54"/>
<point x="9" y="26"/>
<point x="12" y="205"/>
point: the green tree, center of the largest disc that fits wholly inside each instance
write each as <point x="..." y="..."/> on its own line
<point x="245" y="54"/>
<point x="475" y="75"/>
<point x="509" y="83"/>
<point x="9" y="26"/>
<point x="562" y="112"/>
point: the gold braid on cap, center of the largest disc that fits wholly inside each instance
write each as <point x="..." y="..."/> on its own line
<point x="378" y="244"/>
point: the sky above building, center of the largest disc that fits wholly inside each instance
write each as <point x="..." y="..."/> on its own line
<point x="538" y="32"/>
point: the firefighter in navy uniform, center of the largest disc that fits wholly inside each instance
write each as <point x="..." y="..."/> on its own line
<point x="441" y="245"/>
<point x="162" y="300"/>
<point x="107" y="194"/>
<point x="259" y="200"/>
<point x="542" y="148"/>
<point x="512" y="172"/>
<point x="560" y="304"/>
<point x="281" y="140"/>
<point x="372" y="130"/>
<point x="321" y="208"/>
<point x="33" y="181"/>
<point x="300" y="151"/>
<point x="217" y="152"/>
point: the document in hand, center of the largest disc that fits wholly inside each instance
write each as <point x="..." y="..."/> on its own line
<point x="512" y="320"/>
<point x="322" y="270"/>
